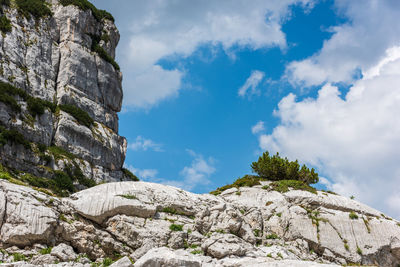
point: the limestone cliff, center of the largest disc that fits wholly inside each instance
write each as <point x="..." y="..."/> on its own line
<point x="66" y="90"/>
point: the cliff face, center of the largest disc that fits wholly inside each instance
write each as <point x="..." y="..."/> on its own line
<point x="158" y="225"/>
<point x="66" y="60"/>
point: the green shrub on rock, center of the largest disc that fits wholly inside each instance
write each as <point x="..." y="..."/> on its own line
<point x="36" y="8"/>
<point x="285" y="174"/>
<point x="101" y="52"/>
<point x="80" y="115"/>
<point x="130" y="175"/>
<point x="5" y="24"/>
<point x="276" y="168"/>
<point x="63" y="181"/>
<point x="13" y="136"/>
<point x="86" y="5"/>
<point x="36" y="106"/>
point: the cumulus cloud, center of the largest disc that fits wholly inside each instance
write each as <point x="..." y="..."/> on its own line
<point x="258" y="128"/>
<point x="354" y="46"/>
<point x="197" y="173"/>
<point x="143" y="174"/>
<point x="354" y="141"/>
<point x="250" y="86"/>
<point x="144" y="144"/>
<point x="177" y="28"/>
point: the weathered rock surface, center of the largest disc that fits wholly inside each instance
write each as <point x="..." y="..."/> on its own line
<point x="158" y="225"/>
<point x="51" y="59"/>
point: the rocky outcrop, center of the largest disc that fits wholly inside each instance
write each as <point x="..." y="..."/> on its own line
<point x="54" y="59"/>
<point x="157" y="225"/>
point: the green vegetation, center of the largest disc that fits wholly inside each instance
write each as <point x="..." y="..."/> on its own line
<point x="13" y="136"/>
<point x="359" y="251"/>
<point x="80" y="115"/>
<point x="107" y="262"/>
<point x="283" y="186"/>
<point x="36" y="106"/>
<point x="36" y="8"/>
<point x="366" y="222"/>
<point x="247" y="180"/>
<point x="276" y="168"/>
<point x="60" y="153"/>
<point x="176" y="227"/>
<point x="4" y="2"/>
<point x="285" y="174"/>
<point x="353" y="215"/>
<point x="64" y="219"/>
<point x="128" y="196"/>
<point x="63" y="181"/>
<point x="170" y="210"/>
<point x="45" y="250"/>
<point x="76" y="175"/>
<point x="130" y="175"/>
<point x="272" y="236"/>
<point x="257" y="232"/>
<point x="86" y="5"/>
<point x="19" y="257"/>
<point x="5" y="24"/>
<point x="7" y="91"/>
<point x="198" y="251"/>
<point x="101" y="52"/>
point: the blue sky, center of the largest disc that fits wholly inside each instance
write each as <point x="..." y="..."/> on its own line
<point x="210" y="85"/>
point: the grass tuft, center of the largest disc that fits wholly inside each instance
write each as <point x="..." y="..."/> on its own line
<point x="176" y="227"/>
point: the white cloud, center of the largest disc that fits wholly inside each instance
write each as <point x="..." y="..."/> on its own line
<point x="252" y="83"/>
<point x="353" y="141"/>
<point x="197" y="173"/>
<point x="144" y="144"/>
<point x="177" y="28"/>
<point x="354" y="46"/>
<point x="143" y="174"/>
<point x="258" y="128"/>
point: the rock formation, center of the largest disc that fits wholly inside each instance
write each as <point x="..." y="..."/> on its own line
<point x="65" y="61"/>
<point x="157" y="225"/>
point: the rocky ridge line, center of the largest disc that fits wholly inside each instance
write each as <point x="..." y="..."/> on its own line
<point x="157" y="225"/>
